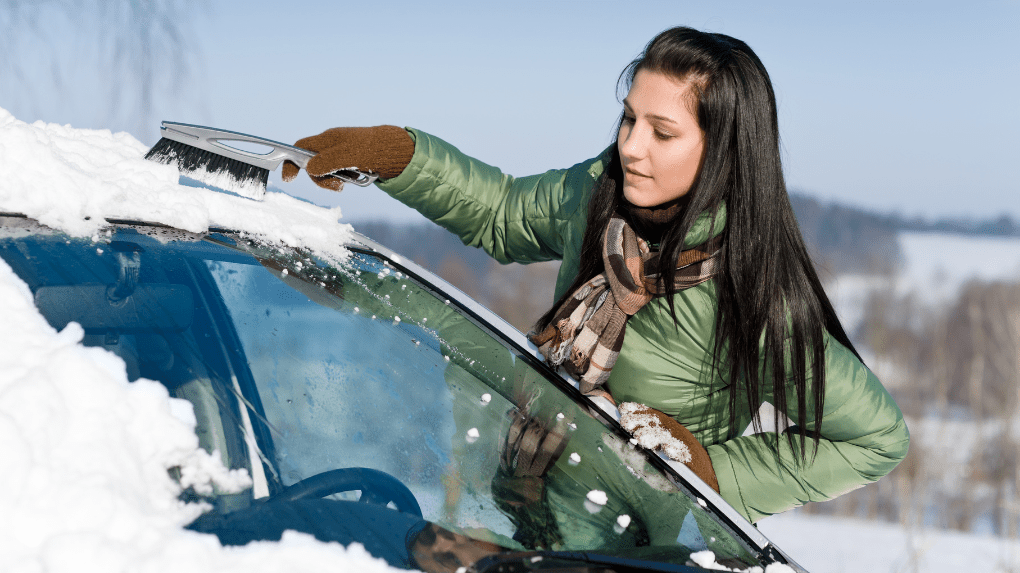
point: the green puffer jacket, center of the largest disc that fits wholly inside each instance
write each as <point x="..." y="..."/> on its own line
<point x="542" y="217"/>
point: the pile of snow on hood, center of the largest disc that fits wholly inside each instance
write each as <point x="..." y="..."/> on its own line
<point x="86" y="454"/>
<point x="84" y="485"/>
<point x="72" y="179"/>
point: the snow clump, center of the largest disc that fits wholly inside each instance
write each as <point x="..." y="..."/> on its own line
<point x="85" y="483"/>
<point x="622" y="522"/>
<point x="86" y="460"/>
<point x="649" y="432"/>
<point x="74" y="179"/>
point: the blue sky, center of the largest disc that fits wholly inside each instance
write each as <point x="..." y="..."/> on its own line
<point x="906" y="106"/>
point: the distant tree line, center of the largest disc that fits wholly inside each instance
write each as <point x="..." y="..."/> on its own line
<point x="1001" y="226"/>
<point x="141" y="51"/>
<point x="849" y="239"/>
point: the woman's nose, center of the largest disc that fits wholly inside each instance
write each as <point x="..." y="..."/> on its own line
<point x="630" y="145"/>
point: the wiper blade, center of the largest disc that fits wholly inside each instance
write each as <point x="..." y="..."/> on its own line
<point x="571" y="562"/>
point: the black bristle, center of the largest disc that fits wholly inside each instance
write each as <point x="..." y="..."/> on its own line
<point x="205" y="165"/>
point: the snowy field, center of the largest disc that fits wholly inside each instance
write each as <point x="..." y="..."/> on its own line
<point x="830" y="545"/>
<point x="84" y="485"/>
<point x="936" y="265"/>
<point x="935" y="268"/>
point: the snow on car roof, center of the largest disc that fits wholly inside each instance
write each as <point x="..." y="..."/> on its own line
<point x="73" y="179"/>
<point x="86" y="453"/>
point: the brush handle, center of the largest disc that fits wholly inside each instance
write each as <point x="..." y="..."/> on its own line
<point x="214" y="140"/>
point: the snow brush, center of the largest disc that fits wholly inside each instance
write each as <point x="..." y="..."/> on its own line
<point x="206" y="154"/>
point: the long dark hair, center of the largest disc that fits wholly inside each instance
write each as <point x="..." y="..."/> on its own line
<point x="772" y="311"/>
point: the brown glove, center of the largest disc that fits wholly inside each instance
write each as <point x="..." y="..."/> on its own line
<point x="436" y="549"/>
<point x="657" y="431"/>
<point x="384" y="149"/>
<point x="531" y="448"/>
<point x="518" y="488"/>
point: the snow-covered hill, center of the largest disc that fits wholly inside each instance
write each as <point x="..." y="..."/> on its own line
<point x="935" y="266"/>
<point x="831" y="545"/>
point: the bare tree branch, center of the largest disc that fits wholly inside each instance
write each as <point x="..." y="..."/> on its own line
<point x="145" y="50"/>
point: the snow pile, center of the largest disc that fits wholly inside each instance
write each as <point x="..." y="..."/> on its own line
<point x="72" y="179"/>
<point x="642" y="422"/>
<point x="85" y="484"/>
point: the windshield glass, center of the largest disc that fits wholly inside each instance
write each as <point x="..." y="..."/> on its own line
<point x="366" y="405"/>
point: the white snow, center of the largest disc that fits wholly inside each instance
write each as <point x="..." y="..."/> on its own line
<point x="595" y="500"/>
<point x="623" y="521"/>
<point x="706" y="559"/>
<point x="650" y="434"/>
<point x="598" y="497"/>
<point x="84" y="485"/>
<point x="832" y="545"/>
<point x="73" y="179"/>
<point x="936" y="265"/>
<point x="934" y="269"/>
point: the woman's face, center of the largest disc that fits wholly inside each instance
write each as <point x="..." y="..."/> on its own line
<point x="660" y="143"/>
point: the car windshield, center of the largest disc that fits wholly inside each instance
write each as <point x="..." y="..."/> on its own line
<point x="367" y="406"/>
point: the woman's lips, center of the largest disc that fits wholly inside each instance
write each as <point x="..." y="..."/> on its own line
<point x="635" y="173"/>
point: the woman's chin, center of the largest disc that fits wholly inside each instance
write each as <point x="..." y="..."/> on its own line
<point x="638" y="198"/>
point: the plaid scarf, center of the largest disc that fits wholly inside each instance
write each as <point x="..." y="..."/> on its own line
<point x="586" y="332"/>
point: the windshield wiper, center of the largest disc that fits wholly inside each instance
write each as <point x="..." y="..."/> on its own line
<point x="572" y="562"/>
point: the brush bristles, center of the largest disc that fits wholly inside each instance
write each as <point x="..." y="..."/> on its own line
<point x="212" y="168"/>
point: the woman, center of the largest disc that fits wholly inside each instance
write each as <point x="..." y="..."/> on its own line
<point x="736" y="319"/>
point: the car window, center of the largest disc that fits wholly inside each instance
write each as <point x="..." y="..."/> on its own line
<point x="297" y="369"/>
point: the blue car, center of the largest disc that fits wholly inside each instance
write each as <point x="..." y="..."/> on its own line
<point x="372" y="402"/>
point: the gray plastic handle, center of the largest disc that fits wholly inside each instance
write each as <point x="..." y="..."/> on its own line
<point x="210" y="139"/>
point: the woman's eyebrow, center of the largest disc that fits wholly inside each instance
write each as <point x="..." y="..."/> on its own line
<point x="663" y="118"/>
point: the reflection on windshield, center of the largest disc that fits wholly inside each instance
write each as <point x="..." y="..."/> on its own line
<point x="346" y="390"/>
<point x="395" y="378"/>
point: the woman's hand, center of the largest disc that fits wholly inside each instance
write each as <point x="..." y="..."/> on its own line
<point x="383" y="149"/>
<point x="657" y="431"/>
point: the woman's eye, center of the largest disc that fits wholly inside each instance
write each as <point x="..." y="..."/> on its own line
<point x="663" y="136"/>
<point x="628" y="119"/>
